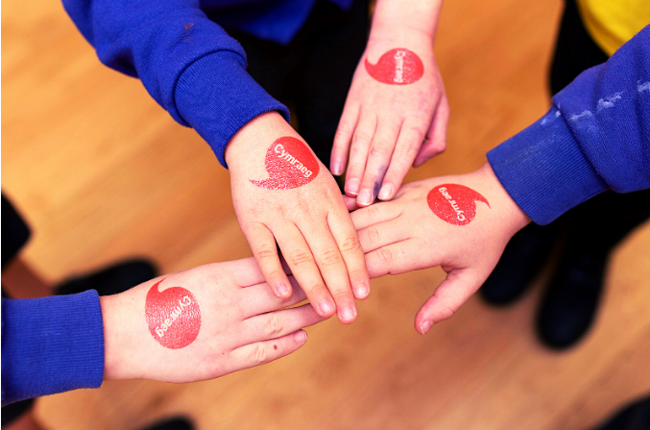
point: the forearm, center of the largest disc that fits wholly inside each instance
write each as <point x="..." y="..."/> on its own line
<point x="51" y="345"/>
<point x="593" y="139"/>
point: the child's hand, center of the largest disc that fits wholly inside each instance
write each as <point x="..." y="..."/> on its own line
<point x="282" y="193"/>
<point x="461" y="223"/>
<point x="396" y="112"/>
<point x="200" y="324"/>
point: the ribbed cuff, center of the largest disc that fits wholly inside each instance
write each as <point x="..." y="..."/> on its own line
<point x="217" y="97"/>
<point x="51" y="345"/>
<point x="544" y="170"/>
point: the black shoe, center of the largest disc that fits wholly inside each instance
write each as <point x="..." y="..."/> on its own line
<point x="521" y="261"/>
<point x="634" y="417"/>
<point x="113" y="280"/>
<point x="568" y="308"/>
<point x="177" y="423"/>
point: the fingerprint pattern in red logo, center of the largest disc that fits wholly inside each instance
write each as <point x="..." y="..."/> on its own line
<point x="454" y="203"/>
<point x="173" y="316"/>
<point x="397" y="67"/>
<point x="289" y="163"/>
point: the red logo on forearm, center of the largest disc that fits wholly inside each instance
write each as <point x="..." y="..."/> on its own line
<point x="454" y="203"/>
<point x="397" y="67"/>
<point x="173" y="316"/>
<point x="290" y="164"/>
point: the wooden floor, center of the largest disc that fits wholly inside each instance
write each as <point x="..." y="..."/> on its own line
<point x="103" y="173"/>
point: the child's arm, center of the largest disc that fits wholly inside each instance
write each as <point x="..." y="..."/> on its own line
<point x="187" y="326"/>
<point x="396" y="112"/>
<point x="594" y="138"/>
<point x="196" y="71"/>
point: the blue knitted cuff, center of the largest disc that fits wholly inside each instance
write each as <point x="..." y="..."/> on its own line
<point x="217" y="97"/>
<point x="51" y="345"/>
<point x="544" y="170"/>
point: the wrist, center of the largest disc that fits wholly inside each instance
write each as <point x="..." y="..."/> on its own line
<point x="118" y="328"/>
<point x="255" y="137"/>
<point x="514" y="219"/>
<point x="393" y="21"/>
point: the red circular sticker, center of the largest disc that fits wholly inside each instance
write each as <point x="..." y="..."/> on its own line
<point x="173" y="316"/>
<point x="397" y="67"/>
<point x="454" y="203"/>
<point x="289" y="163"/>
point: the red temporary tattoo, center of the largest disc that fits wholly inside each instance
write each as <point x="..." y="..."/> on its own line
<point x="397" y="67"/>
<point x="454" y="203"/>
<point x="173" y="316"/>
<point x="290" y="164"/>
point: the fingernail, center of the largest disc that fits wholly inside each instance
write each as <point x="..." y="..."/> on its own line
<point x="326" y="307"/>
<point x="385" y="191"/>
<point x="348" y="314"/>
<point x="362" y="291"/>
<point x="337" y="168"/>
<point x="425" y="326"/>
<point x="300" y="337"/>
<point x="283" y="290"/>
<point x="352" y="187"/>
<point x="365" y="198"/>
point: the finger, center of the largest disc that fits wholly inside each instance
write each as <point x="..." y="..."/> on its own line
<point x="359" y="152"/>
<point x="455" y="290"/>
<point x="254" y="354"/>
<point x="259" y="299"/>
<point x="277" y="324"/>
<point x="347" y="240"/>
<point x="382" y="234"/>
<point x="397" y="258"/>
<point x="379" y="158"/>
<point x="333" y="269"/>
<point x="343" y="136"/>
<point x="350" y="203"/>
<point x="302" y="263"/>
<point x="264" y="250"/>
<point x="247" y="272"/>
<point x="436" y="139"/>
<point x="375" y="214"/>
<point x="409" y="141"/>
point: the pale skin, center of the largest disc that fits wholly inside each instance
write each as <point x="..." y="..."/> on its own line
<point x="310" y="225"/>
<point x="386" y="129"/>
<point x="404" y="235"/>
<point x="243" y="324"/>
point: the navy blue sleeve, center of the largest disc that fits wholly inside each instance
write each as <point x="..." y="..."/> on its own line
<point x="595" y="137"/>
<point x="158" y="41"/>
<point x="51" y="345"/>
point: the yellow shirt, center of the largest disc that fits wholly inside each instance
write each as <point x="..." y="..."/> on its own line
<point x="611" y="23"/>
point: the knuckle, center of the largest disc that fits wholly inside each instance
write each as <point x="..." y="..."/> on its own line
<point x="381" y="149"/>
<point x="350" y="244"/>
<point x="385" y="256"/>
<point x="273" y="327"/>
<point x="265" y="252"/>
<point x="361" y="137"/>
<point x="330" y="258"/>
<point x="373" y="234"/>
<point x="343" y="131"/>
<point x="301" y="258"/>
<point x="259" y="355"/>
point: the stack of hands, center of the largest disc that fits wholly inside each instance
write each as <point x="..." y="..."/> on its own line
<point x="223" y="317"/>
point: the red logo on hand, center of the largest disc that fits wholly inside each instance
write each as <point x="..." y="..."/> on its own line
<point x="397" y="67"/>
<point x="173" y="316"/>
<point x="454" y="203"/>
<point x="290" y="164"/>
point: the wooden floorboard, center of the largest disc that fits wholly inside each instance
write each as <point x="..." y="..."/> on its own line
<point x="102" y="173"/>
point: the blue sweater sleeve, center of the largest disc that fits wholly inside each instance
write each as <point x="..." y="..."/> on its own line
<point x="595" y="137"/>
<point x="51" y="345"/>
<point x="188" y="64"/>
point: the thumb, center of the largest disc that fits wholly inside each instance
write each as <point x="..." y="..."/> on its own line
<point x="450" y="295"/>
